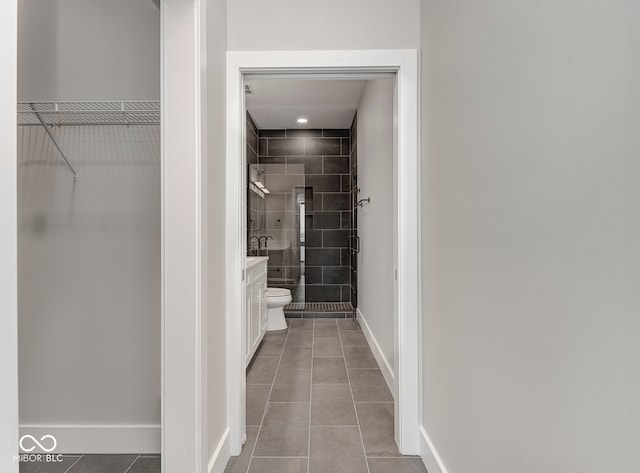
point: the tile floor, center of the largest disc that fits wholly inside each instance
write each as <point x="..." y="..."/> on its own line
<point x="318" y="403"/>
<point x="96" y="464"/>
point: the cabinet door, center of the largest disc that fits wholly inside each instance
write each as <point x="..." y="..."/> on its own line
<point x="247" y="329"/>
<point x="263" y="305"/>
<point x="256" y="296"/>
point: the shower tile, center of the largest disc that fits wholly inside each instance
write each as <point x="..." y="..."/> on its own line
<point x="286" y="147"/>
<point x="322" y="183"/>
<point x="313" y="238"/>
<point x="312" y="165"/>
<point x="263" y="144"/>
<point x="336" y="201"/>
<point x="335" y="238"/>
<point x="313" y="275"/>
<point x="271" y="159"/>
<point x="304" y="133"/>
<point x="346" y="183"/>
<point x="346" y="146"/>
<point x="336" y="165"/>
<point x="252" y="156"/>
<point x="271" y="133"/>
<point x="322" y="147"/>
<point x="346" y="293"/>
<point x="336" y="132"/>
<point x="282" y="183"/>
<point x="323" y="293"/>
<point x="335" y="275"/>
<point x="326" y="220"/>
<point x="322" y="257"/>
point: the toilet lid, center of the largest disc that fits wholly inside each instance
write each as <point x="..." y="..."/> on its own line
<point x="277" y="291"/>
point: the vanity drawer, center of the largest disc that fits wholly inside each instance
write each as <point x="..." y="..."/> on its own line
<point x="256" y="272"/>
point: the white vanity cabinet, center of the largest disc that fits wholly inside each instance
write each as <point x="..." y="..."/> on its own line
<point x="256" y="319"/>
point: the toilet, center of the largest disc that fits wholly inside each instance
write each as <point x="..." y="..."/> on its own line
<point x="277" y="298"/>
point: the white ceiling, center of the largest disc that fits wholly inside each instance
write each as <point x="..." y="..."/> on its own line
<point x="278" y="103"/>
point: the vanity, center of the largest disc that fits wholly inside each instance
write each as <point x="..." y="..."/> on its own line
<point x="256" y="321"/>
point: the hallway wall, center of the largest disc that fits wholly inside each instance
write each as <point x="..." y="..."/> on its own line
<point x="255" y="25"/>
<point x="375" y="221"/>
<point x="530" y="220"/>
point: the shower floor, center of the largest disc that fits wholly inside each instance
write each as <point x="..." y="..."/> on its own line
<point x="316" y="310"/>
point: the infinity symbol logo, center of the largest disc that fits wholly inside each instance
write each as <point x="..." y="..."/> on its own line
<point x="37" y="443"/>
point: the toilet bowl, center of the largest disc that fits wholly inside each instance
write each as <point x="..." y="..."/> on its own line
<point x="277" y="298"/>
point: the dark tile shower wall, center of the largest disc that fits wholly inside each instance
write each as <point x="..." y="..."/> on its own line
<point x="321" y="158"/>
<point x="255" y="204"/>
<point x="353" y="162"/>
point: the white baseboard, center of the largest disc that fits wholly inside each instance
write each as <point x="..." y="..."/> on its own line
<point x="220" y="458"/>
<point x="383" y="363"/>
<point x="97" y="438"/>
<point x="430" y="457"/>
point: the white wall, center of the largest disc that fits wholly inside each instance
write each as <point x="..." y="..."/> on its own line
<point x="216" y="60"/>
<point x="89" y="253"/>
<point x="375" y="221"/>
<point x="89" y="281"/>
<point x="530" y="217"/>
<point x="330" y="24"/>
<point x="8" y="241"/>
<point x="89" y="50"/>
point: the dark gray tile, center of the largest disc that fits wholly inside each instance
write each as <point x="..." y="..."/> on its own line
<point x="313" y="239"/>
<point x="240" y="464"/>
<point x="271" y="133"/>
<point x="322" y="183"/>
<point x="103" y="464"/>
<point x="335" y="165"/>
<point x="292" y="315"/>
<point x="270" y="347"/>
<point x="326" y="220"/>
<point x="323" y="147"/>
<point x="326" y="331"/>
<point x="353" y="339"/>
<point x="325" y="323"/>
<point x="346" y="183"/>
<point x="335" y="238"/>
<point x="332" y="404"/>
<point x="48" y="467"/>
<point x="329" y="371"/>
<point x="301" y="325"/>
<point x="359" y="358"/>
<point x="291" y="386"/>
<point x="263" y="149"/>
<point x="326" y="347"/>
<point x="368" y="385"/>
<point x="312" y="165"/>
<point x="146" y="465"/>
<point x="376" y="423"/>
<point x="300" y="338"/>
<point x="323" y="315"/>
<point x="336" y="450"/>
<point x="271" y="159"/>
<point x="257" y="396"/>
<point x="296" y="358"/>
<point x="322" y="293"/>
<point x="396" y="465"/>
<point x="304" y="133"/>
<point x="285" y="431"/>
<point x="336" y="275"/>
<point x="346" y="293"/>
<point x="278" y="465"/>
<point x="346" y="146"/>
<point x="322" y="257"/>
<point x="336" y="132"/>
<point x="286" y="147"/>
<point x="262" y="370"/>
<point x="252" y="156"/>
<point x="336" y="201"/>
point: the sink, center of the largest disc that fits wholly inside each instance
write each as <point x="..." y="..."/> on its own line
<point x="253" y="260"/>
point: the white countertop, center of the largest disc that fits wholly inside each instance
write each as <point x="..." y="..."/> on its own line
<point x="254" y="260"/>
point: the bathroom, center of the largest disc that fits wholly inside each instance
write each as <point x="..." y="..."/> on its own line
<point x="320" y="257"/>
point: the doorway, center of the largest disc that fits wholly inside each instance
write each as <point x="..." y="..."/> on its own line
<point x="242" y="66"/>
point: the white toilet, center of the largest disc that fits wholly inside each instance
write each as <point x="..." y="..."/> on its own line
<point x="277" y="298"/>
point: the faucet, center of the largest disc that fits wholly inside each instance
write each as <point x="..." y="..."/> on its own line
<point x="266" y="237"/>
<point x="257" y="239"/>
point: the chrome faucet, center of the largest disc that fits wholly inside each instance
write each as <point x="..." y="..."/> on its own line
<point x="266" y="237"/>
<point x="257" y="239"/>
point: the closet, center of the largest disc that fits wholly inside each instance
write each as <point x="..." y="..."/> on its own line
<point x="89" y="220"/>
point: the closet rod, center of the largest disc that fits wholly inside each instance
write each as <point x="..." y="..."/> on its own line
<point x="55" y="143"/>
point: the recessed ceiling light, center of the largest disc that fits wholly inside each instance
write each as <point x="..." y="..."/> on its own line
<point x="302" y="120"/>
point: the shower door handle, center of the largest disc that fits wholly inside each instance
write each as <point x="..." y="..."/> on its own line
<point x="354" y="249"/>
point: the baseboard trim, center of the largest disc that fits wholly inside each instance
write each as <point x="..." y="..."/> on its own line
<point x="220" y="458"/>
<point x="429" y="455"/>
<point x="385" y="367"/>
<point x="98" y="438"/>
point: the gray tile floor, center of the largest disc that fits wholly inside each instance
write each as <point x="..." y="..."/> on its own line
<point x="318" y="403"/>
<point x="96" y="464"/>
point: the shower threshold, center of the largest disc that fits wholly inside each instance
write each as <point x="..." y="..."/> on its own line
<point x="318" y="310"/>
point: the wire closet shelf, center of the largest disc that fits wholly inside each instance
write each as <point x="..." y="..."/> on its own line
<point x="89" y="113"/>
<point x="52" y="114"/>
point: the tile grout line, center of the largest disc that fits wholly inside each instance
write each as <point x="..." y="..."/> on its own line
<point x="264" y="413"/>
<point x="364" y="451"/>
<point x="313" y="337"/>
<point x="73" y="464"/>
<point x="132" y="463"/>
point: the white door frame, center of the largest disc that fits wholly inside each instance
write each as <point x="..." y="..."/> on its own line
<point x="404" y="63"/>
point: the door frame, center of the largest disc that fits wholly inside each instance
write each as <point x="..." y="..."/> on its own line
<point x="404" y="63"/>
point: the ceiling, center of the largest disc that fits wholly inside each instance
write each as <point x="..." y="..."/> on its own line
<point x="328" y="103"/>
